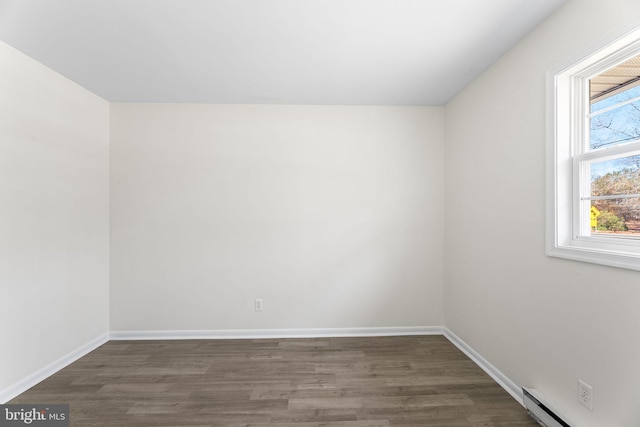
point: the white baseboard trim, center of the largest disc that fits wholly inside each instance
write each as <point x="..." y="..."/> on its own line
<point x="26" y="383"/>
<point x="276" y="333"/>
<point x="505" y="382"/>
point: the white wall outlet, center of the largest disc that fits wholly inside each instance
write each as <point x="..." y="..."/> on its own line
<point x="585" y="394"/>
<point x="257" y="305"/>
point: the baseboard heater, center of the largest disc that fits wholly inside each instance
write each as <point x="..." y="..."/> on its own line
<point x="540" y="411"/>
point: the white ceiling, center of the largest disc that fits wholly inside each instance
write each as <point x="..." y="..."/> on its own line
<point x="369" y="52"/>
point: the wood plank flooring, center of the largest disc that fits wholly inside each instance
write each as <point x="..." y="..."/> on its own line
<point x="329" y="382"/>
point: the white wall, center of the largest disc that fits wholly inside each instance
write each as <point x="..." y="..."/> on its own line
<point x="544" y="322"/>
<point x="54" y="217"/>
<point x="332" y="215"/>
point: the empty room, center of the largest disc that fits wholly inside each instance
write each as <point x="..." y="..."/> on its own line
<point x="342" y="213"/>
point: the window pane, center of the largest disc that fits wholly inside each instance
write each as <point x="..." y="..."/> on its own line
<point x="616" y="215"/>
<point x="616" y="99"/>
<point x="617" y="176"/>
<point x="615" y="127"/>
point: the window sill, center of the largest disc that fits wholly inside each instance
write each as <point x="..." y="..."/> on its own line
<point x="596" y="256"/>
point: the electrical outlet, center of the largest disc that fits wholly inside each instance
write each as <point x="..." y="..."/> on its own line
<point x="258" y="305"/>
<point x="585" y="394"/>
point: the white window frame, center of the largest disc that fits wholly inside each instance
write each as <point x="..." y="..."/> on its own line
<point x="567" y="86"/>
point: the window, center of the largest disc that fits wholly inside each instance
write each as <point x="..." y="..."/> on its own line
<point x="593" y="155"/>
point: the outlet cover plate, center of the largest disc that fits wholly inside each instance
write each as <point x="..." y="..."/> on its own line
<point x="585" y="394"/>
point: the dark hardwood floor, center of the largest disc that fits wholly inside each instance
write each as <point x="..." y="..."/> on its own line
<point x="329" y="382"/>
